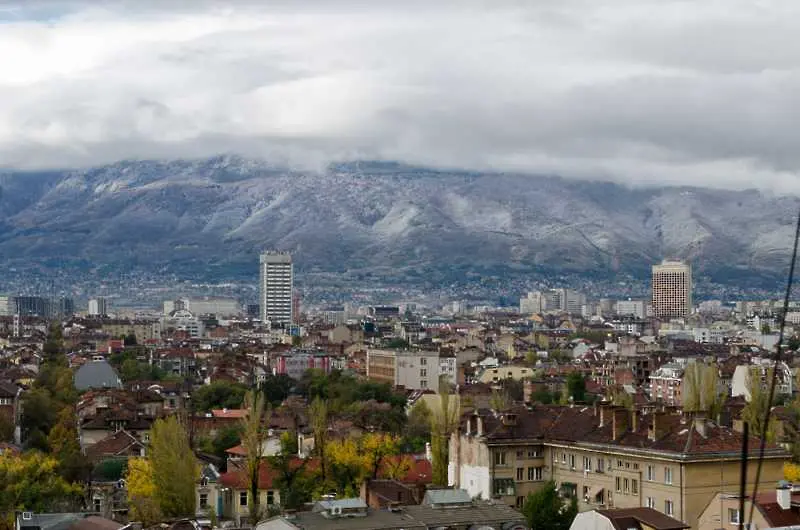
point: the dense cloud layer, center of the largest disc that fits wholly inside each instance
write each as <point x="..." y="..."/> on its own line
<point x="642" y="91"/>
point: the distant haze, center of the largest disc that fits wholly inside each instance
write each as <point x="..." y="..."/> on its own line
<point x="642" y="92"/>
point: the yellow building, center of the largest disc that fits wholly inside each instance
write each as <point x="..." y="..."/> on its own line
<point x="606" y="457"/>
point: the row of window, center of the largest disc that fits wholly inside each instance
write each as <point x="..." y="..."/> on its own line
<point x="243" y="498"/>
<point x="534" y="473"/>
<point x="669" y="505"/>
<point x="650" y="473"/>
<point x="500" y="456"/>
<point x="627" y="486"/>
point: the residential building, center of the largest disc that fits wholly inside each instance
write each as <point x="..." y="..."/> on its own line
<point x="533" y="302"/>
<point x="672" y="289"/>
<point x="295" y="364"/>
<point x="631" y="308"/>
<point x="761" y="369"/>
<point x="627" y="519"/>
<point x="666" y="384"/>
<point x="98" y="307"/>
<point x="276" y="284"/>
<point x="497" y="374"/>
<point x="143" y="330"/>
<point x="413" y="370"/>
<point x="607" y="457"/>
<point x="775" y="507"/>
<point x="212" y="305"/>
<point x="236" y="497"/>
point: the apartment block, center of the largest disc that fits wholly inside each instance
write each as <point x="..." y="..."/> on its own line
<point x="606" y="457"/>
<point x="672" y="289"/>
<point x="413" y="370"/>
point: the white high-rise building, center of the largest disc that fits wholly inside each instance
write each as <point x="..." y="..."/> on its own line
<point x="672" y="289"/>
<point x="5" y="306"/>
<point x="98" y="307"/>
<point x="534" y="302"/>
<point x="631" y="308"/>
<point x="277" y="279"/>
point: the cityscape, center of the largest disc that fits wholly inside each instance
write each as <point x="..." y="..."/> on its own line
<point x="452" y="265"/>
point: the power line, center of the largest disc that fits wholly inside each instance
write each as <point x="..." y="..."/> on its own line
<point x="778" y="359"/>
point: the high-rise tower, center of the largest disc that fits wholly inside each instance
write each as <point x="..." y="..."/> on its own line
<point x="672" y="289"/>
<point x="277" y="277"/>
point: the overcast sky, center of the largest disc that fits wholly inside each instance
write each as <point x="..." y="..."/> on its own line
<point x="647" y="91"/>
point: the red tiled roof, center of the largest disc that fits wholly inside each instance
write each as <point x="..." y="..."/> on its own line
<point x="237" y="478"/>
<point x="229" y="413"/>
<point x="420" y="471"/>
<point x="776" y="516"/>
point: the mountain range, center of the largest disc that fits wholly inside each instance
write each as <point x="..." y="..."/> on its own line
<point x="213" y="216"/>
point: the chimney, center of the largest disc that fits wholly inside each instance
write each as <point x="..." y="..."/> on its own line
<point x="634" y="420"/>
<point x="527" y="391"/>
<point x="480" y="426"/>
<point x="428" y="452"/>
<point x="784" y="495"/>
<point x="658" y="427"/>
<point x="619" y="422"/>
<point x="605" y="413"/>
<point x="469" y="426"/>
<point x="700" y="424"/>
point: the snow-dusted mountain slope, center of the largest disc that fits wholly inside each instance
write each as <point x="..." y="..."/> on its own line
<point x="220" y="212"/>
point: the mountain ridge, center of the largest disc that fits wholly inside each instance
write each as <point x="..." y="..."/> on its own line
<point x="215" y="215"/>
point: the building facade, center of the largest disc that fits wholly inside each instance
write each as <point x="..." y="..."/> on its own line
<point x="672" y="289"/>
<point x="98" y="307"/>
<point x="606" y="457"/>
<point x="276" y="283"/>
<point x="413" y="370"/>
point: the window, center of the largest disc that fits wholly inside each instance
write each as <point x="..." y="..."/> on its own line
<point x="423" y="383"/>
<point x="627" y="465"/>
<point x="534" y="473"/>
<point x="270" y="498"/>
<point x="203" y="500"/>
<point x="625" y="486"/>
<point x="587" y="463"/>
<point x="619" y="485"/>
<point x="499" y="458"/>
<point x="586" y="492"/>
<point x="423" y="361"/>
<point x="619" y="464"/>
<point x="563" y="457"/>
<point x="520" y="501"/>
<point x="669" y="507"/>
<point x="634" y="486"/>
<point x="520" y="473"/>
<point x="600" y="465"/>
<point x="242" y="498"/>
<point x="636" y="466"/>
<point x="651" y="473"/>
<point x="667" y="475"/>
<point x="572" y="461"/>
<point x="98" y="504"/>
<point x="650" y="502"/>
<point x="423" y="372"/>
<point x="503" y="486"/>
<point x="733" y="515"/>
<point x="533" y="453"/>
<point x="520" y="455"/>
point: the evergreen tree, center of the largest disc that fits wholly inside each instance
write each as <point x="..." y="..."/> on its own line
<point x="544" y="509"/>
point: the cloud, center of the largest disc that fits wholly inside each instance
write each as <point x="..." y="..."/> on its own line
<point x="644" y="92"/>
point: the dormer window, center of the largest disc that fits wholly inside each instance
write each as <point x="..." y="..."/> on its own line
<point x="204" y="482"/>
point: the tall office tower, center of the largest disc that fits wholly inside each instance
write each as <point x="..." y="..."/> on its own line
<point x="98" y="307"/>
<point x="276" y="283"/>
<point x="672" y="289"/>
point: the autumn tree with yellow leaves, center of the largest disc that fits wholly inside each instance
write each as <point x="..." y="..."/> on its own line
<point x="142" y="492"/>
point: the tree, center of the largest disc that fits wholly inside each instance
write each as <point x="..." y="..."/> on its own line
<point x="141" y="487"/>
<point x="419" y="421"/>
<point x="701" y="389"/>
<point x="794" y="342"/>
<point x="39" y="414"/>
<point x="218" y="395"/>
<point x="621" y="398"/>
<point x="445" y="420"/>
<point x="64" y="446"/>
<point x="174" y="468"/>
<point x="31" y="483"/>
<point x="292" y="479"/>
<point x="499" y="401"/>
<point x="318" y="417"/>
<point x="347" y="466"/>
<point x="277" y="388"/>
<point x="375" y="447"/>
<point x="544" y="509"/>
<point x="576" y="387"/>
<point x="253" y="436"/>
<point x="755" y="410"/>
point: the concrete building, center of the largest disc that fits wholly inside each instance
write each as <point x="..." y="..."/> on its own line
<point x="295" y="364"/>
<point x="276" y="284"/>
<point x="534" y="302"/>
<point x="212" y="305"/>
<point x="98" y="307"/>
<point x="672" y="289"/>
<point x="5" y="306"/>
<point x="666" y="384"/>
<point x="631" y="308"/>
<point x="606" y="457"/>
<point x="413" y="370"/>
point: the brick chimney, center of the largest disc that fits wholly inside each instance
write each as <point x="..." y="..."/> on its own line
<point x="479" y="431"/>
<point x="658" y="426"/>
<point x="701" y="424"/>
<point x="783" y="495"/>
<point x="605" y="413"/>
<point x="527" y="391"/>
<point x="620" y="422"/>
<point x="634" y="420"/>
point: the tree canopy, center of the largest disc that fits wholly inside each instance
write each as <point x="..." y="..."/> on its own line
<point x="174" y="468"/>
<point x="544" y="509"/>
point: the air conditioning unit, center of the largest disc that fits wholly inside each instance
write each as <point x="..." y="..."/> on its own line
<point x="27" y="516"/>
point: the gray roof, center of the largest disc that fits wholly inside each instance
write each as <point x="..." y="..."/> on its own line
<point x="446" y="496"/>
<point x="344" y="504"/>
<point x="480" y="514"/>
<point x="376" y="520"/>
<point x="51" y="521"/>
<point x="96" y="374"/>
